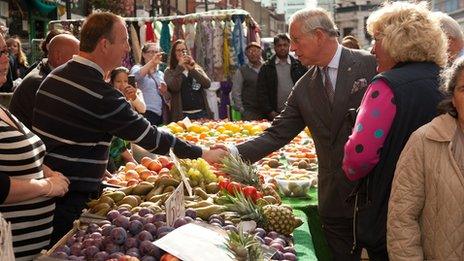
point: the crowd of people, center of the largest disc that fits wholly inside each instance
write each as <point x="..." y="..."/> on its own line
<point x="388" y="125"/>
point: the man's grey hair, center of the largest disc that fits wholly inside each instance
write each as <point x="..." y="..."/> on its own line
<point x="449" y="26"/>
<point x="315" y="18"/>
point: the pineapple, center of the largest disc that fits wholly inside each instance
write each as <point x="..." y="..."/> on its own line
<point x="270" y="217"/>
<point x="241" y="171"/>
<point x="244" y="247"/>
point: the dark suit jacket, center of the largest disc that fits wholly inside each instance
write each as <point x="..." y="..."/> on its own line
<point x="308" y="105"/>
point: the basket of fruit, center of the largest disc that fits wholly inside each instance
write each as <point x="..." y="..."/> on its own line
<point x="294" y="185"/>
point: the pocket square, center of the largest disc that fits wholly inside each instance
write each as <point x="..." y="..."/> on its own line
<point x="358" y="85"/>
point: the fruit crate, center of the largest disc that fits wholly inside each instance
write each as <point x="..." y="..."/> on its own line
<point x="46" y="255"/>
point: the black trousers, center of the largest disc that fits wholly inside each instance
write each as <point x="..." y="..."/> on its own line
<point x="339" y="235"/>
<point x="68" y="209"/>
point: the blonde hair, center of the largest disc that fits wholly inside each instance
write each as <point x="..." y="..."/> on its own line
<point x="21" y="56"/>
<point x="409" y="33"/>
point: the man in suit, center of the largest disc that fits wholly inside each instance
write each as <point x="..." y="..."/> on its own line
<point x="315" y="103"/>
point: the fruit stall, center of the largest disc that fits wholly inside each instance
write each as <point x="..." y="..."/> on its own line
<point x="263" y="211"/>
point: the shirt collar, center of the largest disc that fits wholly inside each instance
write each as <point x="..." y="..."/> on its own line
<point x="88" y="62"/>
<point x="336" y="58"/>
<point x="289" y="61"/>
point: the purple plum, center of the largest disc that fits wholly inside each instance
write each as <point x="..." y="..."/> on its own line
<point x="148" y="248"/>
<point x="145" y="235"/>
<point x="150" y="228"/>
<point x="190" y="212"/>
<point x="121" y="221"/>
<point x="131" y="242"/>
<point x="135" y="227"/>
<point x="100" y="256"/>
<point x="118" y="235"/>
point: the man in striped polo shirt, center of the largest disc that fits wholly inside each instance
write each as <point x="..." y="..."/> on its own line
<point x="77" y="113"/>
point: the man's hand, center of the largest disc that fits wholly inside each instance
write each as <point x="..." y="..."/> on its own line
<point x="214" y="155"/>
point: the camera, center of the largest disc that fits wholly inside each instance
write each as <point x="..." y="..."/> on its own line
<point x="164" y="57"/>
<point x="184" y="52"/>
<point x="131" y="80"/>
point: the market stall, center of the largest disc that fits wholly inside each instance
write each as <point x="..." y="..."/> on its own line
<point x="136" y="208"/>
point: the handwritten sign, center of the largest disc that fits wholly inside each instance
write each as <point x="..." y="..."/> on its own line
<point x="182" y="172"/>
<point x="175" y="207"/>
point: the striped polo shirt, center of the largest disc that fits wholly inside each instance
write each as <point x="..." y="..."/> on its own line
<point x="76" y="115"/>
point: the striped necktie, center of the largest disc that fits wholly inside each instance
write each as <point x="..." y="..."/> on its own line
<point x="329" y="90"/>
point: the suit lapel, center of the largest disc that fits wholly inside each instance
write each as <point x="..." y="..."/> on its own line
<point x="342" y="91"/>
<point x="319" y="98"/>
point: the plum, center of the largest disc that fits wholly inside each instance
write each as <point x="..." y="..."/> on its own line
<point x="111" y="248"/>
<point x="164" y="229"/>
<point x="159" y="223"/>
<point x="118" y="235"/>
<point x="277" y="246"/>
<point x="122" y="209"/>
<point x="190" y="212"/>
<point x="116" y="255"/>
<point x="188" y="219"/>
<point x="104" y="222"/>
<point x="290" y="256"/>
<point x="64" y="249"/>
<point x="260" y="232"/>
<point x="214" y="216"/>
<point x="92" y="227"/>
<point x="80" y="233"/>
<point x="135" y="226"/>
<point x="150" y="228"/>
<point x="145" y="235"/>
<point x="87" y="242"/>
<point x="230" y="228"/>
<point x="121" y="221"/>
<point x="96" y="235"/>
<point x="278" y="256"/>
<point x="148" y="248"/>
<point x="216" y="220"/>
<point x="267" y="240"/>
<point x="59" y="255"/>
<point x="71" y="240"/>
<point x="148" y="258"/>
<point x="159" y="217"/>
<point x="75" y="258"/>
<point x="135" y="217"/>
<point x="131" y="242"/>
<point x="135" y="252"/>
<point x="100" y="256"/>
<point x="107" y="229"/>
<point x="126" y="213"/>
<point x="112" y="214"/>
<point x="279" y="241"/>
<point x="76" y="249"/>
<point x="90" y="251"/>
<point x="144" y="211"/>
<point x="273" y="234"/>
<point x="180" y="222"/>
<point x="148" y="218"/>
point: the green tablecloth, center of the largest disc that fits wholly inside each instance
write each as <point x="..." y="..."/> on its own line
<point x="310" y="243"/>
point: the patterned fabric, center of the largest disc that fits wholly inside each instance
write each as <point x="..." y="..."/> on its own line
<point x="218" y="39"/>
<point x="142" y="34"/>
<point x="135" y="44"/>
<point x="239" y="40"/>
<point x="178" y="30"/>
<point x="189" y="35"/>
<point x="209" y="33"/>
<point x="117" y="147"/>
<point x="375" y="117"/>
<point x="229" y="58"/>
<point x="200" y="48"/>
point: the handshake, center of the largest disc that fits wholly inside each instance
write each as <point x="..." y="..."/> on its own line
<point x="215" y="153"/>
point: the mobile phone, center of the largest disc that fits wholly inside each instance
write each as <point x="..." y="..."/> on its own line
<point x="184" y="52"/>
<point x="131" y="80"/>
<point x="164" y="58"/>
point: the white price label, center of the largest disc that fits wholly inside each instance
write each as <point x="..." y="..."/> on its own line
<point x="182" y="172"/>
<point x="175" y="207"/>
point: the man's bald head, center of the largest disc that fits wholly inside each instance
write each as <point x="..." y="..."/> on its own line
<point x="61" y="49"/>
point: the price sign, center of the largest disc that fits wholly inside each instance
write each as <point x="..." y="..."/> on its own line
<point x="175" y="207"/>
<point x="182" y="172"/>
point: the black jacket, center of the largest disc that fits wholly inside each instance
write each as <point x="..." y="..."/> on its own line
<point x="267" y="82"/>
<point x="416" y="93"/>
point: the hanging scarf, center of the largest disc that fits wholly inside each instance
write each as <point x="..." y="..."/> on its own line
<point x="209" y="33"/>
<point x="200" y="48"/>
<point x="218" y="42"/>
<point x="165" y="38"/>
<point x="136" y="51"/>
<point x="226" y="54"/>
<point x="253" y="33"/>
<point x="149" y="33"/>
<point x="142" y="32"/>
<point x="178" y="30"/>
<point x="238" y="40"/>
<point x="190" y="37"/>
